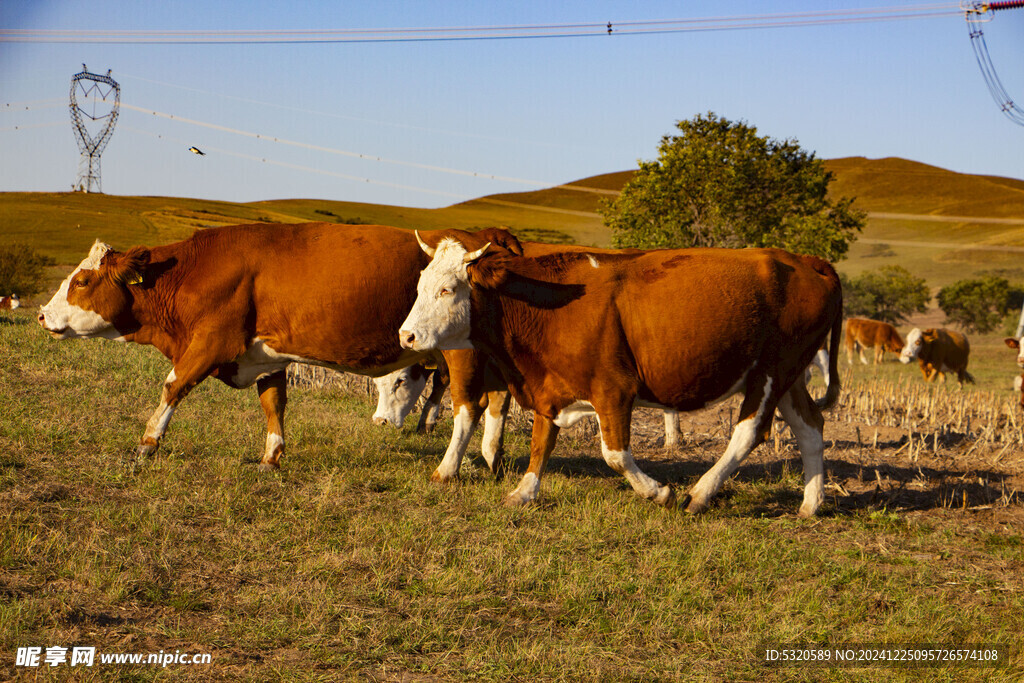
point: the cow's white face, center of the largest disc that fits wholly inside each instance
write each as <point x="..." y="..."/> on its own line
<point x="439" y="318"/>
<point x="397" y="394"/>
<point x="913" y="347"/>
<point x="15" y="301"/>
<point x="71" y="312"/>
<point x="1017" y="344"/>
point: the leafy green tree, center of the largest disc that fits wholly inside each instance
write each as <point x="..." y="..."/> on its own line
<point x="979" y="305"/>
<point x="718" y="183"/>
<point x="890" y="294"/>
<point x="21" y="270"/>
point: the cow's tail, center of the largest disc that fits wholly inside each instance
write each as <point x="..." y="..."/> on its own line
<point x="835" y="336"/>
<point x="968" y="378"/>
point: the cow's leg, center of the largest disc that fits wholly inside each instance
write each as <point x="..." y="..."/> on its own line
<point x="671" y="428"/>
<point x="273" y="392"/>
<point x="493" y="446"/>
<point x="879" y="352"/>
<point x="467" y="415"/>
<point x="860" y="352"/>
<point x="807" y="423"/>
<point x="432" y="406"/>
<point x="616" y="452"/>
<point x="466" y="370"/>
<point x="542" y="442"/>
<point x="756" y="413"/>
<point x="180" y="381"/>
<point x="849" y="350"/>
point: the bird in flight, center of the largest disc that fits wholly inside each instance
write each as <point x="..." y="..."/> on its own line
<point x="196" y="150"/>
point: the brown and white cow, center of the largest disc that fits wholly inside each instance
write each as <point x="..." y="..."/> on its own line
<point x="9" y="303"/>
<point x="863" y="333"/>
<point x="240" y="303"/>
<point x="938" y="351"/>
<point x="579" y="332"/>
<point x="1018" y="346"/>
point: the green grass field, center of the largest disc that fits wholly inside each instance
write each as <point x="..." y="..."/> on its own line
<point x="348" y="564"/>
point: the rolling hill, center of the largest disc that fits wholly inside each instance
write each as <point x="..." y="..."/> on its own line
<point x="938" y="223"/>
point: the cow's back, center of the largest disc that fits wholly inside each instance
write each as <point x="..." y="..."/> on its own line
<point x="766" y="306"/>
<point x="332" y="293"/>
<point x="865" y="331"/>
<point x="950" y="350"/>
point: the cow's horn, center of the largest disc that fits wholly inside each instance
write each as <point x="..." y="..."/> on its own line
<point x="423" y="245"/>
<point x="474" y="255"/>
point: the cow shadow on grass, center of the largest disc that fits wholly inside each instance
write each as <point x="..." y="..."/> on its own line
<point x="856" y="481"/>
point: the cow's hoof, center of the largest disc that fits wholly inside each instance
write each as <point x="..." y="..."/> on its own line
<point x="514" y="500"/>
<point x="145" y="450"/>
<point x="807" y="511"/>
<point x="439" y="478"/>
<point x="428" y="428"/>
<point x="692" y="506"/>
<point x="667" y="497"/>
<point x="268" y="466"/>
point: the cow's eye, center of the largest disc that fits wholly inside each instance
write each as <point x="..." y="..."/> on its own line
<point x="445" y="291"/>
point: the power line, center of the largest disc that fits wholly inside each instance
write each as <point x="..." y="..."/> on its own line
<point x="309" y="169"/>
<point x="345" y="117"/>
<point x="366" y="157"/>
<point x="974" y="13"/>
<point x="726" y="23"/>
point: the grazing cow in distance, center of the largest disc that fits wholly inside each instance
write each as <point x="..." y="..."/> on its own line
<point x="9" y="303"/>
<point x="938" y="351"/>
<point x="240" y="303"/>
<point x="575" y="333"/>
<point x="1018" y="345"/>
<point x="862" y="333"/>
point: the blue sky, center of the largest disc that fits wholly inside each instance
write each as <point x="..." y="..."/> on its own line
<point x="520" y="113"/>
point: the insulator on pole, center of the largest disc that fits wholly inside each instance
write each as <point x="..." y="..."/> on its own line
<point x="1009" y="4"/>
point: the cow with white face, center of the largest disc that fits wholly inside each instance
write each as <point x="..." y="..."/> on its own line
<point x="9" y="303"/>
<point x="578" y="332"/>
<point x="398" y="393"/>
<point x="240" y="303"/>
<point x="938" y="351"/>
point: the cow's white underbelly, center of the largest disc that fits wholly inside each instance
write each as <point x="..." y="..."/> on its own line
<point x="261" y="360"/>
<point x="576" y="411"/>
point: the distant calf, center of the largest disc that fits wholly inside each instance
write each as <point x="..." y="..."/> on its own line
<point x="862" y="333"/>
<point x="9" y="302"/>
<point x="938" y="351"/>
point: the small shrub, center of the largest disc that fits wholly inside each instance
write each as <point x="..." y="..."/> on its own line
<point x="979" y="305"/>
<point x="890" y="294"/>
<point x="21" y="270"/>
